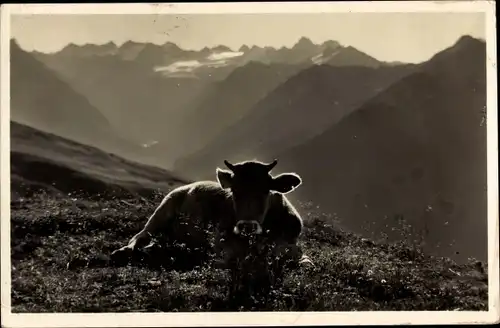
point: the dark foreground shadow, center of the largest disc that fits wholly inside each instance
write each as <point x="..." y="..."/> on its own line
<point x="249" y="282"/>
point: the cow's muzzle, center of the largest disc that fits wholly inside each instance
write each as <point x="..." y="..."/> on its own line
<point x="250" y="227"/>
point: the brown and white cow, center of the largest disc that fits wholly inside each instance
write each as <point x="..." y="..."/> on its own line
<point x="245" y="201"/>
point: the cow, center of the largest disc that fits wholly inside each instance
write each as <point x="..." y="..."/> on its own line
<point x="246" y="201"/>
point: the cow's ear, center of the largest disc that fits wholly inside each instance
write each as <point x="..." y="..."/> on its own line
<point x="224" y="178"/>
<point x="286" y="182"/>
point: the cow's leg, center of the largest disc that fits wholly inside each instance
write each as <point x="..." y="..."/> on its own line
<point x="158" y="220"/>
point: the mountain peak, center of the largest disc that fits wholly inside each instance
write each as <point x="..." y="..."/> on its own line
<point x="171" y="46"/>
<point x="466" y="40"/>
<point x="244" y="48"/>
<point x="331" y="44"/>
<point x="71" y="45"/>
<point x="466" y="46"/>
<point x="14" y="43"/>
<point x="130" y="43"/>
<point x="110" y="45"/>
<point x="304" y="42"/>
<point x="221" y="48"/>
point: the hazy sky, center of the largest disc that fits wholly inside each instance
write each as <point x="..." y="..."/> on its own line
<point x="408" y="37"/>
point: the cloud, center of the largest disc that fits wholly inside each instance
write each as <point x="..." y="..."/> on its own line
<point x="225" y="55"/>
<point x="188" y="66"/>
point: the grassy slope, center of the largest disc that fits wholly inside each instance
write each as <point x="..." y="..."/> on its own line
<point x="43" y="160"/>
<point x="60" y="246"/>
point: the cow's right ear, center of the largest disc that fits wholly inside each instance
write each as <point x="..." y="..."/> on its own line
<point x="286" y="182"/>
<point x="224" y="178"/>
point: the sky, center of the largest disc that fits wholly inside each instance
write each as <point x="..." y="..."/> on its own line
<point x="406" y="37"/>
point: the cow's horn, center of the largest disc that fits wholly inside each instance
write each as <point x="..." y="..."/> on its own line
<point x="229" y="165"/>
<point x="272" y="165"/>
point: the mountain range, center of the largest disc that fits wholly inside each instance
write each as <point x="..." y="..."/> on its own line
<point x="160" y="91"/>
<point x="175" y="61"/>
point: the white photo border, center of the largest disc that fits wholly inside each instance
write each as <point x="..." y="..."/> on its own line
<point x="253" y="318"/>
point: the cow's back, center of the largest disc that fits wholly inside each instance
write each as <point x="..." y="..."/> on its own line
<point x="207" y="202"/>
<point x="197" y="208"/>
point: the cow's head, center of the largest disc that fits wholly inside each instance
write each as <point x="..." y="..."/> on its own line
<point x="251" y="185"/>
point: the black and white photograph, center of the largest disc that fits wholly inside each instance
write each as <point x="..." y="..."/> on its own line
<point x="249" y="163"/>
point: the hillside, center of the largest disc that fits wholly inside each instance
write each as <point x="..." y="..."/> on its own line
<point x="45" y="162"/>
<point x="67" y="234"/>
<point x="416" y="151"/>
<point x="298" y="109"/>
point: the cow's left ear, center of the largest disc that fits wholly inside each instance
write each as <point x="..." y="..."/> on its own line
<point x="224" y="178"/>
<point x="286" y="182"/>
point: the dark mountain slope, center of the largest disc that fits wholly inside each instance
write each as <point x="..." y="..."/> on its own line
<point x="42" y="100"/>
<point x="350" y="56"/>
<point x="232" y="99"/>
<point x="417" y="150"/>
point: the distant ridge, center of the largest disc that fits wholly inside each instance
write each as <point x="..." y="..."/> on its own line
<point x="303" y="50"/>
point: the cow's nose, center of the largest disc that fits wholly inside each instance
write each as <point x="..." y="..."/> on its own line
<point x="247" y="227"/>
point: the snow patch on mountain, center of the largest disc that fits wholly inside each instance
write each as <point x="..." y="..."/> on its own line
<point x="219" y="59"/>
